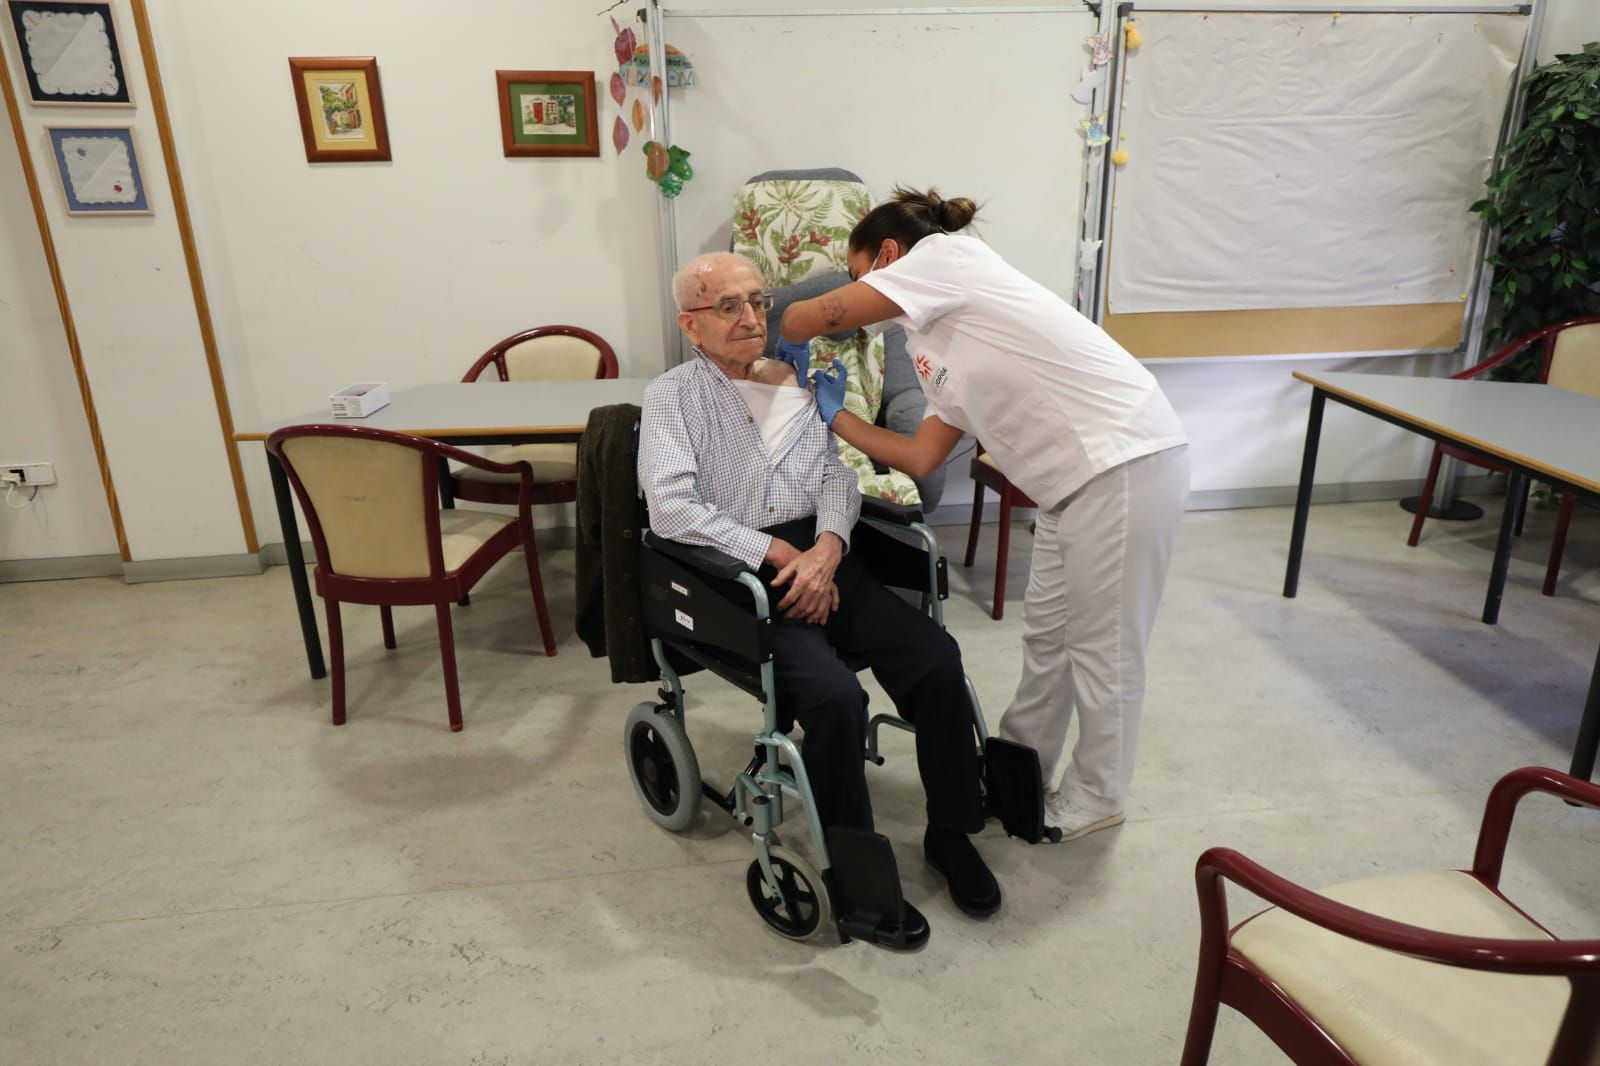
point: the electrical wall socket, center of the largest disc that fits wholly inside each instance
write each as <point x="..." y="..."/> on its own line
<point x="30" y="475"/>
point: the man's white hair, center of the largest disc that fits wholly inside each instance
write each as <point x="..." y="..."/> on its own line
<point x="689" y="283"/>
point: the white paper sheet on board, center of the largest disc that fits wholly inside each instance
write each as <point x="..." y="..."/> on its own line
<point x="1282" y="161"/>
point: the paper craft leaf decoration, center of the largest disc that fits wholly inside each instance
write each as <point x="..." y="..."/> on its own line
<point x="656" y="160"/>
<point x="638" y="116"/>
<point x="619" y="134"/>
<point x="655" y="89"/>
<point x="625" y="45"/>
<point x="619" y="89"/>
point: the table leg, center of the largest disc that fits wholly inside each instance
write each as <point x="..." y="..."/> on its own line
<point x="1516" y="484"/>
<point x="1302" y="500"/>
<point x="1583" y="752"/>
<point x="297" y="568"/>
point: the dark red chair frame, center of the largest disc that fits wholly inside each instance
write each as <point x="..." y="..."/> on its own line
<point x="985" y="476"/>
<point x="1225" y="976"/>
<point x="441" y="586"/>
<point x="1548" y="336"/>
<point x="543" y="491"/>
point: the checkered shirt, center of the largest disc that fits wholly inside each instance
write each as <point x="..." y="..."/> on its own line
<point x="709" y="480"/>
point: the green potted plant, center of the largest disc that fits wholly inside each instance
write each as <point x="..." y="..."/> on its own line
<point x="1545" y="199"/>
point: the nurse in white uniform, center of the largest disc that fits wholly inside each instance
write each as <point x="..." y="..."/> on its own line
<point x="1075" y="422"/>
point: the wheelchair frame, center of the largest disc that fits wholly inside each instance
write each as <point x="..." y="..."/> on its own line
<point x="719" y="636"/>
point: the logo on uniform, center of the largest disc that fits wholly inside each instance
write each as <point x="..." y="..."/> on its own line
<point x="924" y="367"/>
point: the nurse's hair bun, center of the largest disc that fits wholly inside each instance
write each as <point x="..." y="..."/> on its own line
<point x="947" y="215"/>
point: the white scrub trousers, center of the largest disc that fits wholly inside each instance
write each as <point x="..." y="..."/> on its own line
<point x="1099" y="564"/>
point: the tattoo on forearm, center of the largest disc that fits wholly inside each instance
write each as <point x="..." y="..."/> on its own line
<point x="833" y="311"/>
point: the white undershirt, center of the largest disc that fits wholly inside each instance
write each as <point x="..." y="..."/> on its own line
<point x="774" y="407"/>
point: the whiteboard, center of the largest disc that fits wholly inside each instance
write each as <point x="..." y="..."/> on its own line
<point x="974" y="103"/>
<point x="1305" y="160"/>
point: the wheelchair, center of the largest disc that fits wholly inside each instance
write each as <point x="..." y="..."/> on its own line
<point x="703" y="609"/>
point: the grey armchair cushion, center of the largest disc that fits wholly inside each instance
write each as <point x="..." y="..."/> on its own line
<point x="807" y="289"/>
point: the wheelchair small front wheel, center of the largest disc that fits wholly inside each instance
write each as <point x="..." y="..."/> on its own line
<point x="805" y="910"/>
<point x="663" y="767"/>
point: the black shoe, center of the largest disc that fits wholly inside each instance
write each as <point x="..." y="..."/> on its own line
<point x="910" y="935"/>
<point x="972" y="886"/>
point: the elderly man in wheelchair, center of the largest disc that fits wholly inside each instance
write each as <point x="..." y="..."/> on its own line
<point x="754" y="567"/>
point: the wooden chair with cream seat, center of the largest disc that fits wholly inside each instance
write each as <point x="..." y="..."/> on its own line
<point x="1435" y="967"/>
<point x="371" y="501"/>
<point x="1571" y="361"/>
<point x="545" y="353"/>
<point x="986" y="473"/>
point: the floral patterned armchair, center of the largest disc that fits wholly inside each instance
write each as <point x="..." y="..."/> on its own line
<point x="795" y="227"/>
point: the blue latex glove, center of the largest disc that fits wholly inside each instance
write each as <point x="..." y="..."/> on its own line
<point x="830" y="391"/>
<point x="797" y="356"/>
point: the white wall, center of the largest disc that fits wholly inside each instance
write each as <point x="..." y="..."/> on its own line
<point x="41" y="413"/>
<point x="322" y="275"/>
<point x="402" y="272"/>
<point x="140" y="340"/>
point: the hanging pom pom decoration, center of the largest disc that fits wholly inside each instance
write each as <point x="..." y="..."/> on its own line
<point x="1120" y="157"/>
<point x="1130" y="30"/>
<point x="619" y="134"/>
<point x="619" y="88"/>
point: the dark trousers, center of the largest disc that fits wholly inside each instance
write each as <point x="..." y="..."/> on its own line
<point x="919" y="666"/>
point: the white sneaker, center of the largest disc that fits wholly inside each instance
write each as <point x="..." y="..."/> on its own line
<point x="1075" y="822"/>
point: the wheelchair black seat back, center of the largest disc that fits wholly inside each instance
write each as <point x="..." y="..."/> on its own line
<point x="704" y="609"/>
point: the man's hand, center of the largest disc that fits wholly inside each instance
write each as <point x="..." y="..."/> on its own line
<point x="812" y="595"/>
<point x="780" y="553"/>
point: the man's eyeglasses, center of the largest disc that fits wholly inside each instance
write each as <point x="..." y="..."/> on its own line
<point x="731" y="307"/>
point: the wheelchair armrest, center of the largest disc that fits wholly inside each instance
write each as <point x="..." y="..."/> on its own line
<point x="894" y="514"/>
<point x="707" y="560"/>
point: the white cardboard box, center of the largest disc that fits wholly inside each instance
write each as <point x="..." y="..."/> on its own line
<point x="359" y="401"/>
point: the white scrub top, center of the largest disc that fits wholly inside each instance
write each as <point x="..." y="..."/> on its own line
<point x="1049" y="393"/>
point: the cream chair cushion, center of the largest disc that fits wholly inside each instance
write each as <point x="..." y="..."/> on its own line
<point x="552" y="357"/>
<point x="463" y="532"/>
<point x="550" y="462"/>
<point x="1575" y="364"/>
<point x="1384" y="1008"/>
<point x="367" y="496"/>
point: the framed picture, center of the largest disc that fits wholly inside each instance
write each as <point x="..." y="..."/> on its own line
<point x="548" y="112"/>
<point x="99" y="168"/>
<point x="70" y="53"/>
<point x="341" y="109"/>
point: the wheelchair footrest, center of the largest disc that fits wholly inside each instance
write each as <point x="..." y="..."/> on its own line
<point x="1014" y="788"/>
<point x="868" y="903"/>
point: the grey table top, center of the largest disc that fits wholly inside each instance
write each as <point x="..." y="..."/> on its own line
<point x="515" y="410"/>
<point x="1538" y="427"/>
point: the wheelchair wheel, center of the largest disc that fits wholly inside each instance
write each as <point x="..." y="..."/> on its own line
<point x="805" y="911"/>
<point x="662" y="764"/>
